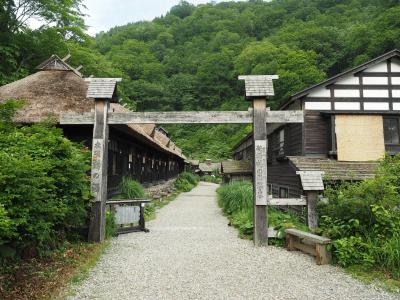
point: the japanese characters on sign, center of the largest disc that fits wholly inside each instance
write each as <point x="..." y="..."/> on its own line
<point x="260" y="174"/>
<point x="97" y="165"/>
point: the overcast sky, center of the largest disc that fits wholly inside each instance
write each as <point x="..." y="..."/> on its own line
<point x="105" y="14"/>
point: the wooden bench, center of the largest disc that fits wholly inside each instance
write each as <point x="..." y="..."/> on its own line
<point x="309" y="243"/>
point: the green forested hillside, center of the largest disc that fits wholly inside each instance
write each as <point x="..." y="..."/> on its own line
<point x="190" y="58"/>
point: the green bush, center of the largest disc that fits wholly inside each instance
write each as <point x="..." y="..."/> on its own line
<point x="190" y="177"/>
<point x="211" y="178"/>
<point x="235" y="197"/>
<point x="186" y="181"/>
<point x="111" y="226"/>
<point x="363" y="220"/>
<point x="236" y="201"/>
<point x="44" y="186"/>
<point x="131" y="189"/>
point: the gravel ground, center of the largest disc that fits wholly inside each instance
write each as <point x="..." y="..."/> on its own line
<point x="191" y="253"/>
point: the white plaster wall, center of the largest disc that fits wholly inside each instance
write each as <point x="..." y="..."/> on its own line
<point x="349" y="80"/>
<point x="395" y="80"/>
<point x="376" y="93"/>
<point x="375" y="80"/>
<point x="320" y="92"/>
<point x="347" y="93"/>
<point x="396" y="93"/>
<point x="318" y="105"/>
<point x="395" y="65"/>
<point x="376" y="106"/>
<point x="347" y="105"/>
<point x="396" y="105"/>
<point x="381" y="67"/>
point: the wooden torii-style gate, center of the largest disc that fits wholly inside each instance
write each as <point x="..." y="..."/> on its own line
<point x="259" y="88"/>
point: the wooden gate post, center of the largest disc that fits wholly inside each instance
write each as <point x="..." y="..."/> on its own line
<point x="258" y="89"/>
<point x="99" y="171"/>
<point x="312" y="217"/>
<point x="260" y="219"/>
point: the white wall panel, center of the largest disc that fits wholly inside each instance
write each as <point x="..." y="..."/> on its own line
<point x="347" y="105"/>
<point x="320" y="92"/>
<point x="376" y="93"/>
<point x="376" y="106"/>
<point x="396" y="105"/>
<point x="395" y="65"/>
<point x="347" y="93"/>
<point x="375" y="80"/>
<point x="349" y="80"/>
<point x="395" y="80"/>
<point x="396" y="93"/>
<point x="381" y="67"/>
<point x="318" y="105"/>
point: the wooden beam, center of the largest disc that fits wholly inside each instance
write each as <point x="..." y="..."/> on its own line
<point x="260" y="220"/>
<point x="99" y="172"/>
<point x="184" y="117"/>
<point x="287" y="201"/>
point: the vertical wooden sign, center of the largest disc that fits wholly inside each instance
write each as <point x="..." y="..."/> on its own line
<point x="260" y="231"/>
<point x="99" y="172"/>
<point x="260" y="172"/>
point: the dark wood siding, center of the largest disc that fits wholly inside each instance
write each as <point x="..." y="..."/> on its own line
<point x="293" y="139"/>
<point x="316" y="133"/>
<point x="282" y="174"/>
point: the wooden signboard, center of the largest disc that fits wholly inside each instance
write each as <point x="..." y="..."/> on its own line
<point x="260" y="174"/>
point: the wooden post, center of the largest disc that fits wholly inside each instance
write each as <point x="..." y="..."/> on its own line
<point x="312" y="198"/>
<point x="99" y="171"/>
<point x="260" y="219"/>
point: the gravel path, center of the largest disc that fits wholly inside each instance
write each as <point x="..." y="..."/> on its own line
<point x="191" y="253"/>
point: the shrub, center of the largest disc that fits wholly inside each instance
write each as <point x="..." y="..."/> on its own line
<point x="190" y="177"/>
<point x="111" y="226"/>
<point x="131" y="189"/>
<point x="211" y="178"/>
<point x="44" y="186"/>
<point x="236" y="201"/>
<point x="363" y="219"/>
<point x="186" y="181"/>
<point x="235" y="196"/>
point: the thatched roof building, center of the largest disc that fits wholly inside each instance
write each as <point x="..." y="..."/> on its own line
<point x="58" y="88"/>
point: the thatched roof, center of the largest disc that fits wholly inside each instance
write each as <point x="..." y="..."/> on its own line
<point x="48" y="93"/>
<point x="58" y="88"/>
<point x="209" y="167"/>
<point x="236" y="167"/>
<point x="333" y="169"/>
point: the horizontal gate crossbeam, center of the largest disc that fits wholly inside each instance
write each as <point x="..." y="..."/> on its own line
<point x="183" y="117"/>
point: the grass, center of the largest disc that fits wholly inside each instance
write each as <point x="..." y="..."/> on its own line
<point x="45" y="277"/>
<point x="131" y="189"/>
<point x="236" y="201"/>
<point x="376" y="277"/>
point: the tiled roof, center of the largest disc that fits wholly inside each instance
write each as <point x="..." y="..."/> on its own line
<point x="335" y="170"/>
<point x="237" y="167"/>
<point x="259" y="85"/>
<point x="101" y="88"/>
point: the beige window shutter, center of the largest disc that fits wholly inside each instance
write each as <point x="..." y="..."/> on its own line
<point x="359" y="138"/>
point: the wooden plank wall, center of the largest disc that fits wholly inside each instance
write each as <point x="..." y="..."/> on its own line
<point x="281" y="174"/>
<point x="316" y="133"/>
<point x="157" y="166"/>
